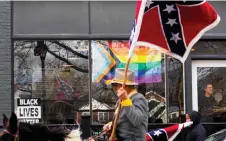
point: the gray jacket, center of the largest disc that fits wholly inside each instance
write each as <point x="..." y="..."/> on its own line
<point x="133" y="120"/>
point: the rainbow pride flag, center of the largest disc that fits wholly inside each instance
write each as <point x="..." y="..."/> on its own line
<point x="109" y="55"/>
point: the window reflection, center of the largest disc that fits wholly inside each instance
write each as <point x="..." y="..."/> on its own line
<point x="56" y="72"/>
<point x="209" y="47"/>
<point x="110" y="54"/>
<point x="175" y="84"/>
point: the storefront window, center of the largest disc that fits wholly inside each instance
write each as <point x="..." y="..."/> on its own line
<point x="211" y="93"/>
<point x="51" y="80"/>
<point x="175" y="84"/>
<point x="209" y="47"/>
<point x="209" y="88"/>
<point x="156" y="93"/>
<point x="107" y="55"/>
<point x="56" y="74"/>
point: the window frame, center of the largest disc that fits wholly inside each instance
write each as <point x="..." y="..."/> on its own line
<point x="90" y="39"/>
<point x="103" y="116"/>
<point x="195" y="65"/>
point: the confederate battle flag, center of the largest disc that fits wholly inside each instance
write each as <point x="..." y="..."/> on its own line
<point x="168" y="133"/>
<point x="171" y="27"/>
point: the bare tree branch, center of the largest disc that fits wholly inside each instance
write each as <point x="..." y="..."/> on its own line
<point x="29" y="91"/>
<point x="68" y="62"/>
<point x="24" y="58"/>
<point x="68" y="48"/>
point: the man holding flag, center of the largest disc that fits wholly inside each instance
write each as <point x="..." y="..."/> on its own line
<point x="172" y="27"/>
<point x="133" y="118"/>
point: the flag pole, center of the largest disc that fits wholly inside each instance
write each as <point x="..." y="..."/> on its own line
<point x="119" y="107"/>
<point x="132" y="47"/>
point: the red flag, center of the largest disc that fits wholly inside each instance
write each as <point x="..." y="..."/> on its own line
<point x="172" y="27"/>
<point x="168" y="133"/>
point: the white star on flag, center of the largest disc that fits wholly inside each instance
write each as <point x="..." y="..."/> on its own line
<point x="169" y="9"/>
<point x="171" y="22"/>
<point x="149" y="2"/>
<point x="157" y="133"/>
<point x="175" y="37"/>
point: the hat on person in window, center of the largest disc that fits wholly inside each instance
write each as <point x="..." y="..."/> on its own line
<point x="119" y="77"/>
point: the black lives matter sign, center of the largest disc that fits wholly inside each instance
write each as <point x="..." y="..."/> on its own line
<point x="29" y="109"/>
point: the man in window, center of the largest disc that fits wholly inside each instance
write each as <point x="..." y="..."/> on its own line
<point x="207" y="101"/>
<point x="133" y="119"/>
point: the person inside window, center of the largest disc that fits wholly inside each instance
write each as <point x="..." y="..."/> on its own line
<point x="133" y="119"/>
<point x="207" y="101"/>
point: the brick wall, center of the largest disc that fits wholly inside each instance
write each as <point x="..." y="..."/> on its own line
<point x="5" y="59"/>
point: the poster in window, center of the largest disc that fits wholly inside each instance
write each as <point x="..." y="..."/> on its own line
<point x="29" y="110"/>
